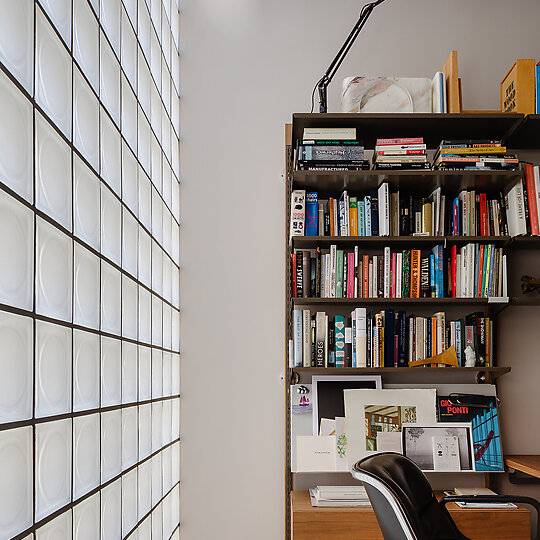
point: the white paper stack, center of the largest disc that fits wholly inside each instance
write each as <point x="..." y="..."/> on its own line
<point x="348" y="496"/>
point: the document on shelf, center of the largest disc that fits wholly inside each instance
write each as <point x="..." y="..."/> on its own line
<point x="315" y="454"/>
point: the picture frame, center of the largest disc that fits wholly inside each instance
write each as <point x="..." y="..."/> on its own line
<point x="417" y="443"/>
<point x="327" y="394"/>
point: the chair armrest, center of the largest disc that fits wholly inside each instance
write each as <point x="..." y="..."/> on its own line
<point x="497" y="499"/>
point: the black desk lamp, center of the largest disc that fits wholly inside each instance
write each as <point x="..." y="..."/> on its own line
<point x="326" y="79"/>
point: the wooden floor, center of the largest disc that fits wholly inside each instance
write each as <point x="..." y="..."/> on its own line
<point x="309" y="523"/>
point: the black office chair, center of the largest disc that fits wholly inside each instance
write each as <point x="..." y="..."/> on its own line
<point x="405" y="505"/>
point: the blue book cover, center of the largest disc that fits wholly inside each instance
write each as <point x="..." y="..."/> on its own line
<point x="361" y="218"/>
<point x="367" y="215"/>
<point x="493" y="253"/>
<point x="538" y="88"/>
<point x="339" y="324"/>
<point x="432" y="278"/>
<point x="455" y="217"/>
<point x="484" y="271"/>
<point x="373" y="195"/>
<point x="440" y="272"/>
<point x="312" y="213"/>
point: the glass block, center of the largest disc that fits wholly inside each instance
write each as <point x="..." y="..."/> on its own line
<point x="16" y="499"/>
<point x="53" y="173"/>
<point x="111" y="511"/>
<point x="157" y="522"/>
<point x="16" y="134"/>
<point x="131" y="10"/>
<point x="166" y="86"/>
<point x="111" y="149"/>
<point x="167" y="292"/>
<point x="129" y="51"/>
<point x="53" y="75"/>
<point x="175" y="241"/>
<point x="129" y="437"/>
<point x="175" y="507"/>
<point x="54" y="271"/>
<point x="175" y="330"/>
<point x="145" y="323"/>
<point x="157" y="487"/>
<point x="111" y="225"/>
<point x="129" y="372"/>
<point x="175" y="463"/>
<point x="16" y="359"/>
<point x="17" y="239"/>
<point x="167" y="183"/>
<point x="175" y="112"/>
<point x="144" y="490"/>
<point x="86" y="518"/>
<point x="87" y="197"/>
<point x="145" y="199"/>
<point x="144" y="84"/>
<point x="86" y="354"/>
<point x="166" y="467"/>
<point x="95" y="6"/>
<point x="175" y="418"/>
<point x="144" y="29"/>
<point x="155" y="112"/>
<point x="53" y="466"/>
<point x="86" y="41"/>
<point x="175" y="285"/>
<point x="130" y="182"/>
<point x="130" y="239"/>
<point x="166" y="135"/>
<point x="167" y="11"/>
<point x="176" y="199"/>
<point x="175" y="71"/>
<point x="157" y="216"/>
<point x="85" y="118"/>
<point x="167" y="231"/>
<point x="129" y="308"/>
<point x="175" y="153"/>
<point x="17" y="41"/>
<point x="167" y="326"/>
<point x="157" y="321"/>
<point x="110" y="299"/>
<point x="86" y="452"/>
<point x="145" y="529"/>
<point x="110" y="20"/>
<point x="143" y="143"/>
<point x="157" y="373"/>
<point x="155" y="16"/>
<point x="175" y="374"/>
<point x="109" y="69"/>
<point x="157" y="426"/>
<point x="86" y="283"/>
<point x="111" y="371"/>
<point x="167" y="373"/>
<point x="59" y="527"/>
<point x="166" y="43"/>
<point x="53" y="369"/>
<point x="111" y="452"/>
<point x="167" y="516"/>
<point x="129" y="501"/>
<point x="129" y="115"/>
<point x="155" y="60"/>
<point x="157" y="268"/>
<point x="166" y="422"/>
<point x="155" y="169"/>
<point x="59" y="11"/>
<point x="145" y="373"/>
<point x="145" y="430"/>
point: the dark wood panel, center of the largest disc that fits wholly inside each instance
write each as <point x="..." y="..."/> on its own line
<point x="526" y="135"/>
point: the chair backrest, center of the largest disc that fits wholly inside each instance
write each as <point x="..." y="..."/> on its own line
<point x="403" y="500"/>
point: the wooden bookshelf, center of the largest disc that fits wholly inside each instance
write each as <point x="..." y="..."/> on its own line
<point x="528" y="464"/>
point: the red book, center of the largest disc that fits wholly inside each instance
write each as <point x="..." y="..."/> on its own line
<point x="480" y="271"/>
<point x="453" y="259"/>
<point x="293" y="272"/>
<point x="393" y="276"/>
<point x="531" y="192"/>
<point x="410" y="140"/>
<point x="365" y="276"/>
<point x="350" y="277"/>
<point x="398" y="152"/>
<point x="483" y="215"/>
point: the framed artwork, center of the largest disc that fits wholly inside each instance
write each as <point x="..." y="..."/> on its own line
<point x="431" y="446"/>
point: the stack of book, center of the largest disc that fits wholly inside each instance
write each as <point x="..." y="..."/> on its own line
<point x="387" y="338"/>
<point x="400" y="154"/>
<point x="472" y="271"/>
<point x="347" y="496"/>
<point x="474" y="154"/>
<point x="330" y="150"/>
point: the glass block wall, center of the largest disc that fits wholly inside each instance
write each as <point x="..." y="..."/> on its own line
<point x="89" y="275"/>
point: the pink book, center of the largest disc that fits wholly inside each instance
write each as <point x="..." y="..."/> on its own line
<point x="393" y="276"/>
<point x="350" y="275"/>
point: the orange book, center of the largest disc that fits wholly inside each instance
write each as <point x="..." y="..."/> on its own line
<point x="353" y="216"/>
<point x="365" y="277"/>
<point x="332" y="205"/>
<point x="415" y="273"/>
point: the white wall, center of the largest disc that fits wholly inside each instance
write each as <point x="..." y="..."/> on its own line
<point x="247" y="66"/>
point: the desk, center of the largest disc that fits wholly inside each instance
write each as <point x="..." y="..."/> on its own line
<point x="309" y="523"/>
<point x="526" y="464"/>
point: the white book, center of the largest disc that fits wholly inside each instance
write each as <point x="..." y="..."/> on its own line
<point x="333" y="256"/>
<point x="327" y="271"/>
<point x="435" y="214"/>
<point x="306" y="338"/>
<point x="297" y="337"/>
<point x="464" y="213"/>
<point x="458" y="275"/>
<point x="419" y="345"/>
<point x="347" y="220"/>
<point x="504" y="278"/>
<point x="298" y="212"/>
<point x="320" y="339"/>
<point x="411" y="339"/>
<point x="438" y="87"/>
<point x="387" y="263"/>
<point x="384" y="210"/>
<point x="326" y="341"/>
<point x="375" y="275"/>
<point x="515" y="211"/>
<point x="399" y="273"/>
<point x="330" y="134"/>
<point x="361" y="336"/>
<point x="452" y="333"/>
<point x="323" y="275"/>
<point x="442" y="215"/>
<point x="291" y="353"/>
<point x="370" y="280"/>
<point x="458" y="343"/>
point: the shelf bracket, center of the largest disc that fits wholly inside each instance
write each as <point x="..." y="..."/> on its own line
<point x="519" y="478"/>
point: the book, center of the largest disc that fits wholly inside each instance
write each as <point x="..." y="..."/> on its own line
<point x="298" y="212"/>
<point x="537" y="74"/>
<point x="312" y="213"/>
<point x="518" y="88"/>
<point x="404" y="140"/>
<point x="353" y="216"/>
<point x="532" y="198"/>
<point x="320" y="337"/>
<point x="306" y="338"/>
<point x="329" y="133"/>
<point x="383" y="197"/>
<point x="438" y="93"/>
<point x="297" y="337"/>
<point x="361" y="337"/>
<point x="339" y="326"/>
<point x="330" y="153"/>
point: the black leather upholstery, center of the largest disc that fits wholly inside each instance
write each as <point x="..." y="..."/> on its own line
<point x="408" y="484"/>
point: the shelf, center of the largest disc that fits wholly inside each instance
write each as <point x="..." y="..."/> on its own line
<point x="379" y="242"/>
<point x="331" y="183"/>
<point x="432" y="127"/>
<point x="525" y="242"/>
<point x="408" y="375"/>
<point x="526" y="135"/>
<point x="526" y="464"/>
<point x="529" y="300"/>
<point x="403" y="301"/>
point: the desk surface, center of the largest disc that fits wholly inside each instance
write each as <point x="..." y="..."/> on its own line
<point x="525" y="464"/>
<point x="309" y="523"/>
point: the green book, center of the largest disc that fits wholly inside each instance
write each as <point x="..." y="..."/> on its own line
<point x="406" y="277"/>
<point x="339" y="273"/>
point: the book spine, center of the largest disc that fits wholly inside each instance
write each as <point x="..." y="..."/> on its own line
<point x="361" y="337"/>
<point x="297" y="337"/>
<point x="415" y="273"/>
<point x="532" y="198"/>
<point x="353" y="216"/>
<point x="367" y="216"/>
<point x="406" y="280"/>
<point x="339" y="325"/>
<point x="373" y="195"/>
<point x="389" y="338"/>
<point x="526" y="206"/>
<point x="331" y="343"/>
<point x="298" y="212"/>
<point x="339" y="273"/>
<point x="387" y="263"/>
<point x="402" y="339"/>
<point x="321" y="222"/>
<point x="384" y="210"/>
<point x="294" y="292"/>
<point x="299" y="274"/>
<point x="365" y="276"/>
<point x="313" y="343"/>
<point x="348" y="346"/>
<point x="405" y="140"/>
<point x="332" y="271"/>
<point x="306" y="338"/>
<point x="320" y="335"/>
<point x="361" y="218"/>
<point x="312" y="213"/>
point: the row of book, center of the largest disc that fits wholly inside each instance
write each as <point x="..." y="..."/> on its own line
<point x="387" y="339"/>
<point x="400" y="154"/>
<point x="474" y="154"/>
<point x="384" y="212"/>
<point x="472" y="271"/>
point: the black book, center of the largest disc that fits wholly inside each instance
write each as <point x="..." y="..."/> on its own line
<point x="389" y="337"/>
<point x="404" y="217"/>
<point x="411" y="215"/>
<point x="374" y="212"/>
<point x="478" y="321"/>
<point x="416" y="216"/>
<point x="326" y="221"/>
<point x="348" y="343"/>
<point x="331" y="343"/>
<point x="299" y="275"/>
<point x="313" y="360"/>
<point x="313" y="276"/>
<point x="503" y="223"/>
<point x="318" y="273"/>
<point x="402" y="339"/>
<point x="428" y="338"/>
<point x="526" y="206"/>
<point x="402" y="166"/>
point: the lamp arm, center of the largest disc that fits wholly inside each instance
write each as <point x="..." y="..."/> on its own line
<point x="326" y="79"/>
